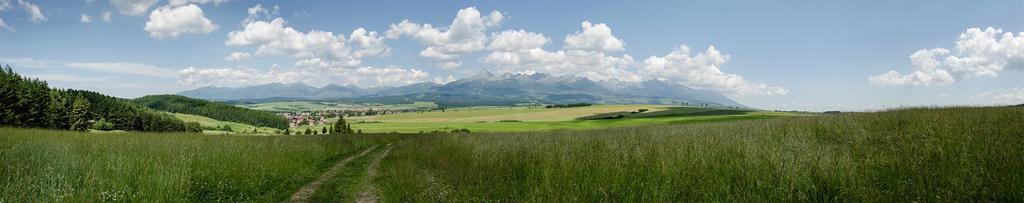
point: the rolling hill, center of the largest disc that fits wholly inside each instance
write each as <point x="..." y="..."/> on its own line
<point x="215" y="110"/>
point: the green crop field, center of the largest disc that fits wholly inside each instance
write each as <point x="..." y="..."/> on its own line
<point x="497" y="119"/>
<point x="922" y="154"/>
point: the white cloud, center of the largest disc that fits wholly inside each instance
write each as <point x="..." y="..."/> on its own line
<point x="133" y="7"/>
<point x="86" y="18"/>
<point x="183" y="2"/>
<point x="448" y="65"/>
<point x="238" y="56"/>
<point x="4" y="25"/>
<point x="515" y="40"/>
<point x="703" y="71"/>
<point x="1013" y="95"/>
<point x="927" y="71"/>
<point x="466" y="34"/>
<point x="978" y="53"/>
<point x="259" y="13"/>
<point x="594" y="38"/>
<point x="69" y="78"/>
<point x="521" y="51"/>
<point x="29" y="63"/>
<point x="4" y="6"/>
<point x="170" y="22"/>
<point x="125" y="68"/>
<point x="363" y="76"/>
<point x="441" y="81"/>
<point x="105" y="16"/>
<point x="35" y="14"/>
<point x="275" y="38"/>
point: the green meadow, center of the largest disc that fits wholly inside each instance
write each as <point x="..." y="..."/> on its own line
<point x="520" y="119"/>
<point x="951" y="154"/>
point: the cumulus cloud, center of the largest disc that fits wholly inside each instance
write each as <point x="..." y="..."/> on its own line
<point x="259" y="13"/>
<point x="133" y="7"/>
<point x="515" y="40"/>
<point x="170" y="22"/>
<point x="125" y="68"/>
<point x="522" y="51"/>
<point x="238" y="56"/>
<point x="466" y="34"/>
<point x="183" y="2"/>
<point x="35" y="14"/>
<point x="4" y="6"/>
<point x="4" y="25"/>
<point x="446" y="80"/>
<point x="978" y="53"/>
<point x="703" y="71"/>
<point x="105" y="16"/>
<point x="275" y="38"/>
<point x="1013" y="95"/>
<point x="594" y="38"/>
<point x="86" y="18"/>
<point x="362" y="76"/>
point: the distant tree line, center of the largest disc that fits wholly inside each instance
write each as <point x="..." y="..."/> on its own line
<point x="215" y="110"/>
<point x="567" y="105"/>
<point x="29" y="102"/>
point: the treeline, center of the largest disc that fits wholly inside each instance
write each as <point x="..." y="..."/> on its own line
<point x="29" y="102"/>
<point x="567" y="105"/>
<point x="215" y="110"/>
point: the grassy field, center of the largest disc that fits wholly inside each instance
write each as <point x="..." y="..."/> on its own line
<point x="545" y="119"/>
<point x="929" y="155"/>
<point x="506" y="113"/>
<point x="54" y="166"/>
<point x="926" y="155"/>
<point x="237" y="128"/>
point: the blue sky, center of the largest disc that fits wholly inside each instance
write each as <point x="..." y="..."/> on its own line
<point x="791" y="55"/>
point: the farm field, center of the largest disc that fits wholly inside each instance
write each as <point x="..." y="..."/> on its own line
<point x="518" y="119"/>
<point x="921" y="154"/>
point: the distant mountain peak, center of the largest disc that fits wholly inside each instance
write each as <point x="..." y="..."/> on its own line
<point x="484" y="74"/>
<point x="486" y="87"/>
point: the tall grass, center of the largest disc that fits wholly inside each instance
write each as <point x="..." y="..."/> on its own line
<point x="56" y="166"/>
<point x="923" y="154"/>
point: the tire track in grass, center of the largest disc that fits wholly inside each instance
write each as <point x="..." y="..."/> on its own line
<point x="304" y="193"/>
<point x="369" y="194"/>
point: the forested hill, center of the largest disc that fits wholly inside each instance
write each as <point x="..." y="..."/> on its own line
<point x="28" y="102"/>
<point x="215" y="110"/>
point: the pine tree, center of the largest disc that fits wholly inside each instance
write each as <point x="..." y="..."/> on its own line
<point x="324" y="130"/>
<point x="79" y="118"/>
<point x="341" y="127"/>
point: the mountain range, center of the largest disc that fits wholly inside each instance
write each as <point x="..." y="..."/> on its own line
<point x="483" y="88"/>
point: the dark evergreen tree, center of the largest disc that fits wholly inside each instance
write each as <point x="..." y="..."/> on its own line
<point x="215" y="110"/>
<point x="341" y="127"/>
<point x="79" y="118"/>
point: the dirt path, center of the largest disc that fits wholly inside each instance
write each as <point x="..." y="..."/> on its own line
<point x="304" y="193"/>
<point x="370" y="193"/>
